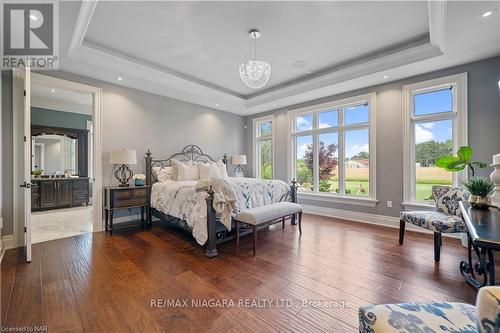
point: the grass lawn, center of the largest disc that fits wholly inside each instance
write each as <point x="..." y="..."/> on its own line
<point x="426" y="177"/>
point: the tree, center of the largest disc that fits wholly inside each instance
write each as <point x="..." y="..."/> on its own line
<point x="326" y="157"/>
<point x="266" y="159"/>
<point x="426" y="153"/>
<point x="362" y="155"/>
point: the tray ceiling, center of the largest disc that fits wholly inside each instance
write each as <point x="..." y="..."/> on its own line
<point x="191" y="50"/>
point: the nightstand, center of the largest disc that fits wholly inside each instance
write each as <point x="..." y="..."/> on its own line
<point x="118" y="198"/>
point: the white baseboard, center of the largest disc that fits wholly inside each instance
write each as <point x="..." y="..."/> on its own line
<point x="6" y="243"/>
<point x="381" y="220"/>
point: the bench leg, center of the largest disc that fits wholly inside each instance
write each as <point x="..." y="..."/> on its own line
<point x="300" y="222"/>
<point x="402" y="225"/>
<point x="283" y="224"/>
<point x="254" y="233"/>
<point x="237" y="234"/>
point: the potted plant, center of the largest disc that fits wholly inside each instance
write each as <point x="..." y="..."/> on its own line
<point x="37" y="173"/>
<point x="479" y="188"/>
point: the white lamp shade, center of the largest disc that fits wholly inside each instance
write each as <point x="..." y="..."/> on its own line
<point x="239" y="160"/>
<point x="123" y="156"/>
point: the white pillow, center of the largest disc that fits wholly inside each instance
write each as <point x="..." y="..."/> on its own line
<point x="209" y="170"/>
<point x="186" y="172"/>
<point x="222" y="168"/>
<point x="164" y="174"/>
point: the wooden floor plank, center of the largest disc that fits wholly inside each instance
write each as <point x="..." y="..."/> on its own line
<point x="101" y="283"/>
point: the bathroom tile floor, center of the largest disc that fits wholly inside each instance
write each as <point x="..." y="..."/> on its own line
<point x="61" y="223"/>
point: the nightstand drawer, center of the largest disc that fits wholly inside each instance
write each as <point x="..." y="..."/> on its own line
<point x="130" y="202"/>
<point x="131" y="193"/>
<point x="140" y="192"/>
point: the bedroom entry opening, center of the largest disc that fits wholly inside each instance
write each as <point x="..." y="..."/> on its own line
<point x="63" y="150"/>
<point x="68" y="177"/>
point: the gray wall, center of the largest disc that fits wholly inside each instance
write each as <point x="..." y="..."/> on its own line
<point x="54" y="118"/>
<point x="484" y="135"/>
<point x="7" y="152"/>
<point x="138" y="120"/>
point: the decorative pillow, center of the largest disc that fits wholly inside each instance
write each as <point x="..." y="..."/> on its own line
<point x="447" y="199"/>
<point x="222" y="168"/>
<point x="164" y="173"/>
<point x="209" y="170"/>
<point x="186" y="171"/>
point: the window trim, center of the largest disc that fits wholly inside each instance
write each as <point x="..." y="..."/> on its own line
<point x="370" y="98"/>
<point x="459" y="138"/>
<point x="256" y="158"/>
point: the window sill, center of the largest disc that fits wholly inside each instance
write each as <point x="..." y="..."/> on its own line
<point x="350" y="200"/>
<point x="418" y="206"/>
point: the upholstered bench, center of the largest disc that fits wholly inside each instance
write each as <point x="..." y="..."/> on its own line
<point x="258" y="216"/>
<point x="434" y="316"/>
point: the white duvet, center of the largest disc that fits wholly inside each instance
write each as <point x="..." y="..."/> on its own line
<point x="180" y="199"/>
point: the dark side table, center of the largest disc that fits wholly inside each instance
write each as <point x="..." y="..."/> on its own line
<point x="483" y="238"/>
<point x="117" y="198"/>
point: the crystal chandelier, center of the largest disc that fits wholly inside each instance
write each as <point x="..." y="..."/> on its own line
<point x="255" y="73"/>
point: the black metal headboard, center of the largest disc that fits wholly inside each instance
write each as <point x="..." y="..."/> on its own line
<point x="189" y="153"/>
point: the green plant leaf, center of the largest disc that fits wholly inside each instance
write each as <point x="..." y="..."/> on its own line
<point x="479" y="164"/>
<point x="464" y="153"/>
<point x="450" y="163"/>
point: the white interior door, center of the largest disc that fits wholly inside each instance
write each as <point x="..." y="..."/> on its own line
<point x="22" y="156"/>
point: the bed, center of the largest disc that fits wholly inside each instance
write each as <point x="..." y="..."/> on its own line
<point x="178" y="203"/>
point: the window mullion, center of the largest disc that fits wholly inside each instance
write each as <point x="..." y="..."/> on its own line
<point x="341" y="152"/>
<point x="315" y="155"/>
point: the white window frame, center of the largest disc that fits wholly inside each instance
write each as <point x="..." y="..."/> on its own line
<point x="371" y="199"/>
<point x="256" y="139"/>
<point x="458" y="116"/>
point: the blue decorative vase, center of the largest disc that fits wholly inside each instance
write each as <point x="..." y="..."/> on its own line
<point x="139" y="182"/>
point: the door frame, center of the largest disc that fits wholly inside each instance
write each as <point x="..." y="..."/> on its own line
<point x="97" y="116"/>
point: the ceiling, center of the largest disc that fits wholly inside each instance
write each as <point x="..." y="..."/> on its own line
<point x="191" y="50"/>
<point x="46" y="97"/>
<point x="207" y="41"/>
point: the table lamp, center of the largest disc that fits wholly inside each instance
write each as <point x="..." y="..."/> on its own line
<point x="239" y="161"/>
<point x="123" y="157"/>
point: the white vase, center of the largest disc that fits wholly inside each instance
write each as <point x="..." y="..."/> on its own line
<point x="495" y="178"/>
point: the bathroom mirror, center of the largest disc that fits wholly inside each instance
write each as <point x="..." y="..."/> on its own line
<point x="55" y="154"/>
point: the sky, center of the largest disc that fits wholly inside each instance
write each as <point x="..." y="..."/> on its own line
<point x="429" y="103"/>
<point x="355" y="141"/>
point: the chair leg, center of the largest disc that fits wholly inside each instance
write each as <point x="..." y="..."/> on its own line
<point x="402" y="225"/>
<point x="283" y="224"/>
<point x="437" y="246"/>
<point x="254" y="232"/>
<point x="300" y="222"/>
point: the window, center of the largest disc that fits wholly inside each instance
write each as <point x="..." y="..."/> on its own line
<point x="263" y="147"/>
<point x="435" y="125"/>
<point x="333" y="149"/>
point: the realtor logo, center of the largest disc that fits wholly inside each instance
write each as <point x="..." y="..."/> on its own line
<point x="29" y="35"/>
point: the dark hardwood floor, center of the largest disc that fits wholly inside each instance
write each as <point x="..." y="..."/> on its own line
<point x="101" y="283"/>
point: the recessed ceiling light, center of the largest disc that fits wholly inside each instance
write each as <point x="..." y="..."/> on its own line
<point x="52" y="90"/>
<point x="119" y="78"/>
<point x="274" y="105"/>
<point x="216" y="104"/>
<point x="299" y="64"/>
<point x="386" y="76"/>
<point x="489" y="12"/>
<point x="309" y="71"/>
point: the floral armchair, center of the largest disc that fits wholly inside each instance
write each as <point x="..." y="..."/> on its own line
<point x="433" y="317"/>
<point x="445" y="219"/>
